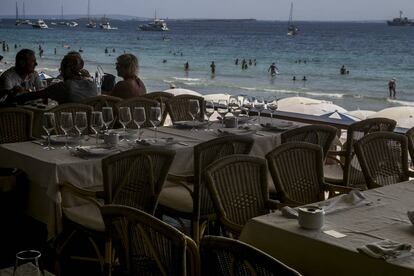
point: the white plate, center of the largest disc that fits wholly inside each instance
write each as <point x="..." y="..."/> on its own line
<point x="95" y="150"/>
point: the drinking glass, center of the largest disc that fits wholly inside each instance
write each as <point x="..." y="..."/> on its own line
<point x="107" y="116"/>
<point x="209" y="111"/>
<point x="194" y="110"/>
<point x="27" y="263"/>
<point x="49" y="125"/>
<point x="139" y="119"/>
<point x="272" y="107"/>
<point x="124" y="119"/>
<point x="96" y="123"/>
<point x="155" y="118"/>
<point x="259" y="106"/>
<point x="246" y="106"/>
<point x="234" y="106"/>
<point x="222" y="109"/>
<point x="81" y="122"/>
<point x="66" y="124"/>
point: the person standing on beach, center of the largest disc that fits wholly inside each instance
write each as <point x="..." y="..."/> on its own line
<point x="392" y="85"/>
<point x="213" y="68"/>
<point x="272" y="69"/>
<point x="186" y="66"/>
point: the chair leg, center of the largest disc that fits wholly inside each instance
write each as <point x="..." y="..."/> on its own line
<point x="196" y="231"/>
<point x="108" y="257"/>
<point x="59" y="250"/>
<point x="101" y="258"/>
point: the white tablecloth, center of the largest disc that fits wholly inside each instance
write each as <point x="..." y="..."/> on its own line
<point x="48" y="168"/>
<point x="312" y="252"/>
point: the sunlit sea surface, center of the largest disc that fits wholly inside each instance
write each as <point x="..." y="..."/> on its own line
<point x="372" y="52"/>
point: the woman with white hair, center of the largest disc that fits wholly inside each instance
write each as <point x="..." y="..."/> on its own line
<point x="132" y="86"/>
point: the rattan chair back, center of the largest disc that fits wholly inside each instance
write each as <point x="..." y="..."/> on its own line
<point x="162" y="98"/>
<point x="353" y="175"/>
<point x="73" y="108"/>
<point x="135" y="177"/>
<point x="146" y="245"/>
<point x="15" y="125"/>
<point x="222" y="256"/>
<point x="297" y="172"/>
<point x="179" y="107"/>
<point x="384" y="158"/>
<point x="139" y="102"/>
<point x="410" y="137"/>
<point x="322" y="135"/>
<point x="239" y="190"/>
<point x="205" y="154"/>
<point x="98" y="102"/>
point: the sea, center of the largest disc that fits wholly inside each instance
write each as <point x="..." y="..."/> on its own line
<point x="372" y="52"/>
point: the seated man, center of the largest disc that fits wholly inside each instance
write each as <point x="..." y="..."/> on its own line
<point x="22" y="77"/>
<point x="74" y="88"/>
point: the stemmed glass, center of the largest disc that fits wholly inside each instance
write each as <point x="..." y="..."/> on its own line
<point x="107" y="116"/>
<point x="209" y="111"/>
<point x="97" y="123"/>
<point x="272" y="106"/>
<point x="234" y="106"/>
<point x="81" y="122"/>
<point x="66" y="124"/>
<point x="194" y="110"/>
<point x="124" y="119"/>
<point x="155" y="118"/>
<point x="27" y="263"/>
<point x="259" y="106"/>
<point x="139" y="119"/>
<point x="246" y="106"/>
<point x="49" y="125"/>
<point x="222" y="109"/>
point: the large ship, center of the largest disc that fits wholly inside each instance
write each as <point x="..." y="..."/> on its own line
<point x="400" y="21"/>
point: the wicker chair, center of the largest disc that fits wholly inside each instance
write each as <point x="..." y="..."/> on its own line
<point x="15" y="125"/>
<point x="238" y="187"/>
<point x="189" y="197"/>
<point x="384" y="158"/>
<point x="228" y="257"/>
<point x="102" y="101"/>
<point x="410" y="137"/>
<point x="178" y="107"/>
<point x="132" y="178"/>
<point x="162" y="98"/>
<point x="322" y="135"/>
<point x="73" y="108"/>
<point x="139" y="102"/>
<point x="147" y="245"/>
<point x="348" y="172"/>
<point x="297" y="171"/>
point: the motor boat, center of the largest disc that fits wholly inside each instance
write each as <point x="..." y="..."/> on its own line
<point x="157" y="25"/>
<point x="73" y="24"/>
<point x="39" y="24"/>
<point x="91" y="24"/>
<point x="107" y="26"/>
<point x="400" y="21"/>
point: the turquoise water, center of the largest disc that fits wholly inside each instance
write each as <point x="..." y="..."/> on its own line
<point x="373" y="52"/>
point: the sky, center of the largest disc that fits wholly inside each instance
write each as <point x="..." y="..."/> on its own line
<point x="307" y="10"/>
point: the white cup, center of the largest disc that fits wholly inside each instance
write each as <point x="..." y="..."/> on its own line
<point x="311" y="217"/>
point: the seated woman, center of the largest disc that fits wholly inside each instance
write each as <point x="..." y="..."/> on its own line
<point x="131" y="86"/>
<point x="74" y="88"/>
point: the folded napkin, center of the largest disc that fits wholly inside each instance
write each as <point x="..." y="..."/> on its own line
<point x="352" y="199"/>
<point x="386" y="249"/>
<point x="289" y="212"/>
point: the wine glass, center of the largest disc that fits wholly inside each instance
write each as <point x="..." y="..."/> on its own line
<point x="194" y="110"/>
<point x="259" y="106"/>
<point x="96" y="123"/>
<point x="27" y="263"/>
<point x="139" y="119"/>
<point x="222" y="109"/>
<point x="155" y="118"/>
<point x="209" y="111"/>
<point x="234" y="106"/>
<point x="66" y="124"/>
<point x="246" y="106"/>
<point x="49" y="125"/>
<point x="107" y="116"/>
<point x="272" y="107"/>
<point x="81" y="122"/>
<point x="124" y="119"/>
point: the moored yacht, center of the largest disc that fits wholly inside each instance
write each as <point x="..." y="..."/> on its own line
<point x="400" y="21"/>
<point x="107" y="26"/>
<point x="39" y="24"/>
<point x="157" y="25"/>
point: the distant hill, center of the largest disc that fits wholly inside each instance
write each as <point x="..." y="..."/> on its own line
<point x="78" y="16"/>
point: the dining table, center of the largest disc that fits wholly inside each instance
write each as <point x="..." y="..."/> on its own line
<point x="47" y="168"/>
<point x="335" y="248"/>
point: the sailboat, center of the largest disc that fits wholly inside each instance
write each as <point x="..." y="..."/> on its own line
<point x="25" y="21"/>
<point x="61" y="17"/>
<point x="18" y="22"/>
<point x="292" y="29"/>
<point x="91" y="23"/>
<point x="156" y="25"/>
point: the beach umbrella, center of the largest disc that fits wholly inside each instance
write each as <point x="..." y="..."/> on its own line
<point x="361" y="114"/>
<point x="316" y="109"/>
<point x="404" y="115"/>
<point x="340" y="116"/>
<point x="182" y="91"/>
<point x="44" y="76"/>
<point x="298" y="100"/>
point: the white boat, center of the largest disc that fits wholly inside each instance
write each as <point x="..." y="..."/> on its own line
<point x="107" y="26"/>
<point x="91" y="23"/>
<point x="73" y="24"/>
<point x="39" y="24"/>
<point x="158" y="25"/>
<point x="292" y="29"/>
